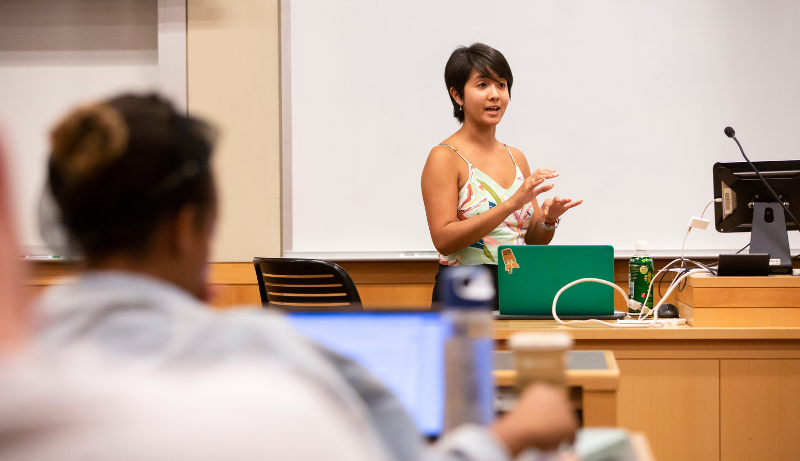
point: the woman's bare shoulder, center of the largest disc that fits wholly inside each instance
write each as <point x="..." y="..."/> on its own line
<point x="442" y="155"/>
<point x="441" y="167"/>
<point x="521" y="161"/>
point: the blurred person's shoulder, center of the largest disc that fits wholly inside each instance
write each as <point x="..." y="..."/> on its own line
<point x="138" y="315"/>
<point x="189" y="413"/>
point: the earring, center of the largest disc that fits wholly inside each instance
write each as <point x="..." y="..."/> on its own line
<point x="460" y="108"/>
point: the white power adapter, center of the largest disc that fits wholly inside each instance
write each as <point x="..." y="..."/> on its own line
<point x="698" y="223"/>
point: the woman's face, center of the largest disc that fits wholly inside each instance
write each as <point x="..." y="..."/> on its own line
<point x="485" y="100"/>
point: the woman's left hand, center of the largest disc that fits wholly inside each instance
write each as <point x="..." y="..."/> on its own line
<point x="553" y="208"/>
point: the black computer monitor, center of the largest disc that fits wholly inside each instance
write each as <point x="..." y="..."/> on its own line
<point x="748" y="206"/>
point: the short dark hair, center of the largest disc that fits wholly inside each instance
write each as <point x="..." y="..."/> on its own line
<point x="119" y="168"/>
<point x="489" y="62"/>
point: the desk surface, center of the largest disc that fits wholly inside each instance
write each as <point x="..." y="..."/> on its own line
<point x="576" y="360"/>
<point x="503" y="329"/>
<point x="589" y="370"/>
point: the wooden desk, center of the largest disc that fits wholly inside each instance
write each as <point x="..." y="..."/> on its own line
<point x="593" y="382"/>
<point x="709" y="301"/>
<point x="719" y="393"/>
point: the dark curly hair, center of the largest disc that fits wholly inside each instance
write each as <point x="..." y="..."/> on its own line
<point x="119" y="168"/>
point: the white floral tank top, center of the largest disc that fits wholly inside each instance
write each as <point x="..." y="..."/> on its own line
<point x="479" y="194"/>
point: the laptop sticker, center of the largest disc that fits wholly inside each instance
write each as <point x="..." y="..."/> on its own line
<point x="509" y="260"/>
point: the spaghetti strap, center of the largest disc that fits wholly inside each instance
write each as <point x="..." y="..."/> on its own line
<point x="512" y="155"/>
<point x="456" y="151"/>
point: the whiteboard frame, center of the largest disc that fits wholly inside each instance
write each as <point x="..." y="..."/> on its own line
<point x="285" y="34"/>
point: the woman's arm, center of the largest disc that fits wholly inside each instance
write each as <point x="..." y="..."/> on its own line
<point x="538" y="236"/>
<point x="535" y="235"/>
<point x="440" y="195"/>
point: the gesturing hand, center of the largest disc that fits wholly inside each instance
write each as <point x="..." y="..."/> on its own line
<point x="553" y="208"/>
<point x="532" y="186"/>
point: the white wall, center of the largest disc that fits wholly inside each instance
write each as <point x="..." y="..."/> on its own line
<point x="55" y="54"/>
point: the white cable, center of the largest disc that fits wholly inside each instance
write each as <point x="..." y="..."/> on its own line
<point x="629" y="302"/>
<point x="709" y="204"/>
<point x="684" y="242"/>
<point x="650" y="289"/>
<point x="683" y="259"/>
<point x="690" y="228"/>
<point x="643" y="315"/>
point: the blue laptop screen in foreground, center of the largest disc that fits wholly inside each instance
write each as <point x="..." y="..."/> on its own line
<point x="404" y="350"/>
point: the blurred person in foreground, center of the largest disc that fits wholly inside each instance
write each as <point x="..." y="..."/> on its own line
<point x="79" y="411"/>
<point x="134" y="187"/>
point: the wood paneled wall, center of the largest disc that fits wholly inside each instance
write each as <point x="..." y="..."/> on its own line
<point x="381" y="284"/>
<point x="233" y="80"/>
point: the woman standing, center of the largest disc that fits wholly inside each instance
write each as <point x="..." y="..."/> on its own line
<point x="479" y="193"/>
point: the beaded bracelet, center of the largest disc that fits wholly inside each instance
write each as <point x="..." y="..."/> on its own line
<point x="545" y="226"/>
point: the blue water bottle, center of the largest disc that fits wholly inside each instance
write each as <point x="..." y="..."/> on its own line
<point x="467" y="294"/>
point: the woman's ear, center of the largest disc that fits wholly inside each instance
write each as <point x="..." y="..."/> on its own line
<point x="455" y="95"/>
<point x="189" y="235"/>
<point x="186" y="235"/>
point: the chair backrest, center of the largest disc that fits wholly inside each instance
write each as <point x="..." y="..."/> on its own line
<point x="305" y="285"/>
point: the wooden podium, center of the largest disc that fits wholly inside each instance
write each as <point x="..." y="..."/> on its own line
<point x="709" y="301"/>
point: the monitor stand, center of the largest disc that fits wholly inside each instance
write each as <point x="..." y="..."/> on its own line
<point x="769" y="235"/>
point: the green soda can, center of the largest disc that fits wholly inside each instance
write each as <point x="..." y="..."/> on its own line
<point x="640" y="274"/>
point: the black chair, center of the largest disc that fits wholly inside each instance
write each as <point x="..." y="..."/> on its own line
<point x="305" y="285"/>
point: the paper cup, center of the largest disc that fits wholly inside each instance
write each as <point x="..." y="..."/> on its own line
<point x="540" y="357"/>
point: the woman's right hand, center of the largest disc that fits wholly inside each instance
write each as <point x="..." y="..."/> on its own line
<point x="532" y="186"/>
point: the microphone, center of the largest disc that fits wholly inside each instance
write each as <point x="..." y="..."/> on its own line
<point x="732" y="134"/>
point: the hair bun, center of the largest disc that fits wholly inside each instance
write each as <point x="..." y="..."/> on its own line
<point x="87" y="139"/>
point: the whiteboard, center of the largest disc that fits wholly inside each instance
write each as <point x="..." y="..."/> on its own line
<point x="55" y="54"/>
<point x="627" y="100"/>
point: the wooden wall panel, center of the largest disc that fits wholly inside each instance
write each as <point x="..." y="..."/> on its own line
<point x="675" y="403"/>
<point x="760" y="406"/>
<point x="390" y="295"/>
<point x="382" y="284"/>
<point x="235" y="296"/>
<point x="393" y="272"/>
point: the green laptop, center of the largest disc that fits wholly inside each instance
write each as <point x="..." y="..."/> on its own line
<point x="529" y="276"/>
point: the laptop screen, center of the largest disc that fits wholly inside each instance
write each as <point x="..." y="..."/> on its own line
<point x="403" y="350"/>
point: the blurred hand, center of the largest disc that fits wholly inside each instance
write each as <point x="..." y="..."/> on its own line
<point x="543" y="419"/>
<point x="13" y="314"/>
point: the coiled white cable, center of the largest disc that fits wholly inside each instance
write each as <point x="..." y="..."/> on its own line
<point x="635" y="304"/>
<point x="629" y="302"/>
